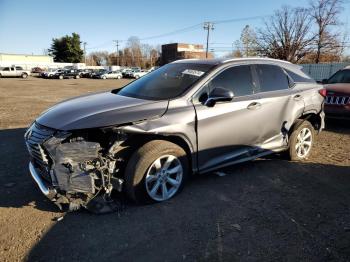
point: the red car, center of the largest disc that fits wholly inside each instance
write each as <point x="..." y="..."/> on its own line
<point x="337" y="103"/>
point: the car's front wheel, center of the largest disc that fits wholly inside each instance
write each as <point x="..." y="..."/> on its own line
<point x="156" y="172"/>
<point x="24" y="75"/>
<point x="301" y="140"/>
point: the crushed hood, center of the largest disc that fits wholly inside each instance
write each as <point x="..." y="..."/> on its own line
<point x="100" y="110"/>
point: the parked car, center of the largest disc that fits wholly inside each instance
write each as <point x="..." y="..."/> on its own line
<point x="187" y="117"/>
<point x="14" y="71"/>
<point x="37" y="70"/>
<point x="65" y="74"/>
<point x="138" y="74"/>
<point x="337" y="104"/>
<point x="98" y="73"/>
<point x="111" y="75"/>
<point x="125" y="72"/>
<point x="51" y="72"/>
<point x="130" y="73"/>
<point x="86" y="72"/>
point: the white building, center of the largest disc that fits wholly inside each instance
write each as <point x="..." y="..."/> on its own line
<point x="30" y="61"/>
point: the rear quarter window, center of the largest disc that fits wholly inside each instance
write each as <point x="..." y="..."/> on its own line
<point x="299" y="78"/>
<point x="271" y="78"/>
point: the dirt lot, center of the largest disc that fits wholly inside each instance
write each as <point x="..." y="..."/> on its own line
<point x="267" y="210"/>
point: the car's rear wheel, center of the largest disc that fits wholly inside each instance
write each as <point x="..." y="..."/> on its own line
<point x="77" y="77"/>
<point x="24" y="75"/>
<point x="119" y="77"/>
<point x="104" y="77"/>
<point x="156" y="172"/>
<point x="301" y="140"/>
<point x="60" y="77"/>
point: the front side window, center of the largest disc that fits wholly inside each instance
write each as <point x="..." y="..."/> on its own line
<point x="271" y="78"/>
<point x="238" y="79"/>
<point x="342" y="76"/>
<point x="167" y="82"/>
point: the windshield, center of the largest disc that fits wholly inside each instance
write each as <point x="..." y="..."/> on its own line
<point x="342" y="76"/>
<point x="167" y="82"/>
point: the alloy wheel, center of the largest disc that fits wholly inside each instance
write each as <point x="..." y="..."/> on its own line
<point x="164" y="177"/>
<point x="304" y="142"/>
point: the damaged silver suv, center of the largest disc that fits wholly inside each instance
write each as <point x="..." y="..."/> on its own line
<point x="189" y="116"/>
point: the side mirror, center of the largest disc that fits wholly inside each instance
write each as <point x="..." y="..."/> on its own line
<point x="219" y="94"/>
<point x="324" y="81"/>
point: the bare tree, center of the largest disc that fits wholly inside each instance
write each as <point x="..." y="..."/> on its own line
<point x="286" y="35"/>
<point x="99" y="58"/>
<point x="248" y="41"/>
<point x="325" y="14"/>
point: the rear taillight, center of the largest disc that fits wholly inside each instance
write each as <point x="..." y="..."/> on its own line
<point x="323" y="92"/>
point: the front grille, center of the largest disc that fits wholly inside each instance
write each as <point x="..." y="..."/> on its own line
<point x="35" y="137"/>
<point x="337" y="100"/>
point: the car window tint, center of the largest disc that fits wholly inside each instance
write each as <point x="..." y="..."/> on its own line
<point x="342" y="76"/>
<point x="19" y="68"/>
<point x="297" y="78"/>
<point x="271" y="78"/>
<point x="6" y="69"/>
<point x="238" y="79"/>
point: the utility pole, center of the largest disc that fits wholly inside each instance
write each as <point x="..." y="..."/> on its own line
<point x="85" y="52"/>
<point x="208" y="26"/>
<point x="117" y="45"/>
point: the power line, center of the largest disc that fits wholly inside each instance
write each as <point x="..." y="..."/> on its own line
<point x="185" y="29"/>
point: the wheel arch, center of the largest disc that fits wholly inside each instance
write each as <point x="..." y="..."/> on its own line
<point x="137" y="140"/>
<point x="314" y="118"/>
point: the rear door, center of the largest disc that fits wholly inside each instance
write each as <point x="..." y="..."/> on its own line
<point x="6" y="71"/>
<point x="280" y="103"/>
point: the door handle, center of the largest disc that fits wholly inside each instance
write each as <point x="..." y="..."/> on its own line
<point x="254" y="105"/>
<point x="297" y="97"/>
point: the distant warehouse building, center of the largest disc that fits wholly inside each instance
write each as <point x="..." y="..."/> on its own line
<point x="176" y="51"/>
<point x="26" y="61"/>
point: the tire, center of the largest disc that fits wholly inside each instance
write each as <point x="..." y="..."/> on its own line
<point x="137" y="77"/>
<point x="104" y="77"/>
<point x="141" y="175"/>
<point x="77" y="77"/>
<point x="119" y="77"/>
<point x="60" y="77"/>
<point x="301" y="140"/>
<point x="24" y="76"/>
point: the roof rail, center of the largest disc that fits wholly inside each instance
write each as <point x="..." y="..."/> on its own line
<point x="255" y="58"/>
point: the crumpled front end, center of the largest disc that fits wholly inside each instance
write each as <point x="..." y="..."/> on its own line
<point x="75" y="170"/>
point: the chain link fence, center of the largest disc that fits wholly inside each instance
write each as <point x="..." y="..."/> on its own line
<point x="323" y="71"/>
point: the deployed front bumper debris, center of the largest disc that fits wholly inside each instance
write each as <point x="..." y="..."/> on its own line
<point x="75" y="173"/>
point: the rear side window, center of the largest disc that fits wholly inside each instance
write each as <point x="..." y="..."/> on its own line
<point x="6" y="69"/>
<point x="271" y="78"/>
<point x="342" y="76"/>
<point x="19" y="68"/>
<point x="238" y="79"/>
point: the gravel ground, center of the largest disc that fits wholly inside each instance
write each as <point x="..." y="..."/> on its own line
<point x="266" y="210"/>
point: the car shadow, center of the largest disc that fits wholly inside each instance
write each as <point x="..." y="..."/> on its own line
<point x="341" y="126"/>
<point x="267" y="209"/>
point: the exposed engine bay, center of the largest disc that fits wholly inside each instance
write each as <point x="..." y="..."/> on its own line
<point x="81" y="167"/>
